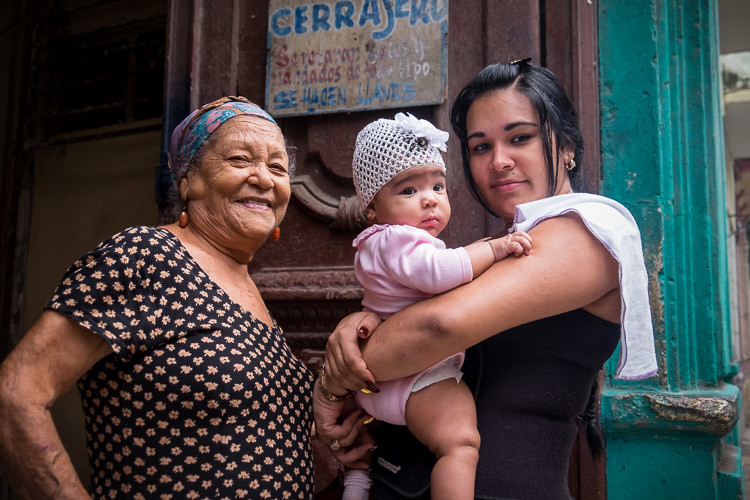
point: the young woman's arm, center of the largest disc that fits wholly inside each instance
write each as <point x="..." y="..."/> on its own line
<point x="44" y="365"/>
<point x="568" y="268"/>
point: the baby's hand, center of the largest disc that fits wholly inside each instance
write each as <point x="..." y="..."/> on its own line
<point x="518" y="243"/>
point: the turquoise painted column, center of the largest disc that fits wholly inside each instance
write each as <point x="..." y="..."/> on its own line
<point x="662" y="156"/>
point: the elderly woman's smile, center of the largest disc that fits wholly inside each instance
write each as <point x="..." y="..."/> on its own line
<point x="255" y="203"/>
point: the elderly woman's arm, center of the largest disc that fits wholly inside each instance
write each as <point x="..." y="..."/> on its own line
<point x="46" y="363"/>
<point x="567" y="269"/>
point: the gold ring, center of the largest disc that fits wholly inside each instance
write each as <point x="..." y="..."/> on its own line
<point x="335" y="445"/>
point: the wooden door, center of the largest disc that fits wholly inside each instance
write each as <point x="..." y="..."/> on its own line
<point x="218" y="48"/>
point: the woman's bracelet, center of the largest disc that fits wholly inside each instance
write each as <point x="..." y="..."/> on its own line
<point x="324" y="390"/>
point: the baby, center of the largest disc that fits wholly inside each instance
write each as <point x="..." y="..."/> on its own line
<point x="399" y="175"/>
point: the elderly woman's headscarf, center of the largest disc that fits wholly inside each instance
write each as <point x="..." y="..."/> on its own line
<point x="193" y="131"/>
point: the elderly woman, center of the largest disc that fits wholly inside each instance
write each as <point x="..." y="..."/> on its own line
<point x="544" y="324"/>
<point x="188" y="387"/>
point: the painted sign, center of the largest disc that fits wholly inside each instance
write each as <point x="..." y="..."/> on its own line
<point x="348" y="55"/>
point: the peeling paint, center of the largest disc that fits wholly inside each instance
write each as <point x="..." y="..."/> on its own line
<point x="694" y="409"/>
<point x="700" y="413"/>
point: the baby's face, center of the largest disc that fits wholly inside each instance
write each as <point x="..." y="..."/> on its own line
<point x="416" y="197"/>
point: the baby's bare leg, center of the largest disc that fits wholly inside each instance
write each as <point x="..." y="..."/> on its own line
<point x="443" y="417"/>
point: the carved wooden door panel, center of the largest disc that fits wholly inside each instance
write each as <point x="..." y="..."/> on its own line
<point x="218" y="48"/>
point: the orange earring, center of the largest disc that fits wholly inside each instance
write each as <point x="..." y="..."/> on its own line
<point x="183" y="220"/>
<point x="276" y="234"/>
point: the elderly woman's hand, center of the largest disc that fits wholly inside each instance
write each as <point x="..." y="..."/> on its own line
<point x="341" y="427"/>
<point x="345" y="368"/>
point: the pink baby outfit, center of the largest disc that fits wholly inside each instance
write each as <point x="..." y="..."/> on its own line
<point x="398" y="265"/>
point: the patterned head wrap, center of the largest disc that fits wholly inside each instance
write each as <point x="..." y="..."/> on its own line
<point x="194" y="130"/>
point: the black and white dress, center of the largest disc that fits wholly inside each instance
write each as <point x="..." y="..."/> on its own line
<point x="200" y="399"/>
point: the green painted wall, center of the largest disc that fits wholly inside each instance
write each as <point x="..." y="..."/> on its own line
<point x="662" y="157"/>
<point x="659" y="452"/>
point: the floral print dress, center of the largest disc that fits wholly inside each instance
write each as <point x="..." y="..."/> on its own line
<point x="200" y="399"/>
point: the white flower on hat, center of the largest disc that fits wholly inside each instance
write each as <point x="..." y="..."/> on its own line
<point x="423" y="128"/>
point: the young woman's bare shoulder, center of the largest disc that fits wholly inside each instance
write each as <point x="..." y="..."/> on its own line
<point x="577" y="253"/>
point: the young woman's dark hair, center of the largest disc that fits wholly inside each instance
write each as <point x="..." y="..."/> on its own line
<point x="558" y="119"/>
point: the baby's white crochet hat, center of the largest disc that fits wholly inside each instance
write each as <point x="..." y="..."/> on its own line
<point x="385" y="148"/>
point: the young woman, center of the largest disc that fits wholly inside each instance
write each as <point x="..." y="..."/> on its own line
<point x="546" y="323"/>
